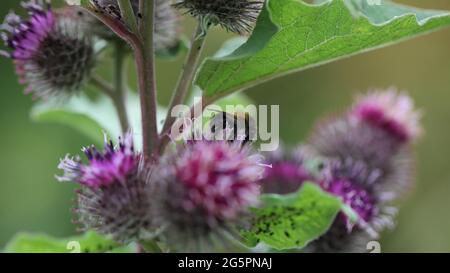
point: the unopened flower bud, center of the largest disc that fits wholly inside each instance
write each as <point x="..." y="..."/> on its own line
<point x="236" y="16"/>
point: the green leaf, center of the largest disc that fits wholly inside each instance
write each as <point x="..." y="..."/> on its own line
<point x="89" y="116"/>
<point x="93" y="117"/>
<point x="41" y="243"/>
<point x="293" y="220"/>
<point x="78" y="121"/>
<point x="292" y="36"/>
<point x="236" y="99"/>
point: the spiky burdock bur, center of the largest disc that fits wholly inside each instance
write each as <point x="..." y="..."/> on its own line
<point x="369" y="164"/>
<point x="167" y="29"/>
<point x="340" y="138"/>
<point x="379" y="131"/>
<point x="237" y="16"/>
<point x="114" y="198"/>
<point x="205" y="189"/>
<point x="51" y="52"/>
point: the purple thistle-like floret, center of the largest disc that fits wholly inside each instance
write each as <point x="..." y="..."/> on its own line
<point x="360" y="188"/>
<point x="52" y="53"/>
<point x="390" y="111"/>
<point x="115" y="197"/>
<point x="111" y="165"/>
<point x="355" y="197"/>
<point x="205" y="187"/>
<point x="286" y="172"/>
<point x="219" y="178"/>
<point x="289" y="172"/>
<point x="104" y="168"/>
<point x="26" y="36"/>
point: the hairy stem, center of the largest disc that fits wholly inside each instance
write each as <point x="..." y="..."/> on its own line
<point x="128" y="14"/>
<point x="186" y="77"/>
<point x="145" y="63"/>
<point x="114" y="25"/>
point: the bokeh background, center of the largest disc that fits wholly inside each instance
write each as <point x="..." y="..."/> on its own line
<point x="32" y="200"/>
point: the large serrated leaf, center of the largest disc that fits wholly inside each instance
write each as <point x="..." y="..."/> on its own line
<point x="291" y="36"/>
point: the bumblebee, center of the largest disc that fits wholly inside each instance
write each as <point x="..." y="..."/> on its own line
<point x="238" y="126"/>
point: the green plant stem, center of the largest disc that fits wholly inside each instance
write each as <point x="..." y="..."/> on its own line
<point x="186" y="77"/>
<point x="120" y="78"/>
<point x="102" y="85"/>
<point x="115" y="26"/>
<point x="145" y="63"/>
<point x="128" y="14"/>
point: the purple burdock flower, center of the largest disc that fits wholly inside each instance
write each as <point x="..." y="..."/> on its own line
<point x="356" y="197"/>
<point x="361" y="137"/>
<point x="371" y="165"/>
<point x="359" y="188"/>
<point x="114" y="197"/>
<point x="390" y="111"/>
<point x="205" y="188"/>
<point x="50" y="52"/>
<point x="104" y="168"/>
<point x="286" y="173"/>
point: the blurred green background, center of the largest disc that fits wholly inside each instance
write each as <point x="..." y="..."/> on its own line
<point x="32" y="200"/>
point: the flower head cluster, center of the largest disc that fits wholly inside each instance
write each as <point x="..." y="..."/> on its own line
<point x="191" y="196"/>
<point x="360" y="138"/>
<point x="51" y="53"/>
<point x="369" y="165"/>
<point x="167" y="33"/>
<point x="207" y="186"/>
<point x="234" y="15"/>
